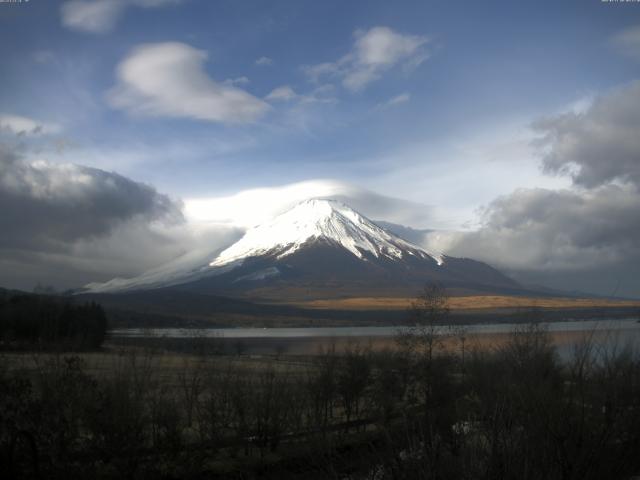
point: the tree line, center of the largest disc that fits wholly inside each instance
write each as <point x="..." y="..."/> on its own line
<point x="46" y="321"/>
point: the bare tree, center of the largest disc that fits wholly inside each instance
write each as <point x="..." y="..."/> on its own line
<point x="190" y="378"/>
<point x="427" y="314"/>
<point x="353" y="379"/>
<point x="461" y="333"/>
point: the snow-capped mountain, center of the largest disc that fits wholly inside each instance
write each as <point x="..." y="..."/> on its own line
<point x="317" y="219"/>
<point x="320" y="247"/>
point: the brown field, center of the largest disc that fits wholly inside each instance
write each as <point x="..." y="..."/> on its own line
<point x="473" y="302"/>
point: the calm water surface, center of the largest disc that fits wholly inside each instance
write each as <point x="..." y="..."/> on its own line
<point x="631" y="326"/>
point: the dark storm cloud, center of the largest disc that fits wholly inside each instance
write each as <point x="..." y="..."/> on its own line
<point x="571" y="240"/>
<point x="538" y="229"/>
<point x="47" y="206"/>
<point x="599" y="145"/>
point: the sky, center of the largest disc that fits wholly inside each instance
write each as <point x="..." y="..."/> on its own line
<point x="133" y="131"/>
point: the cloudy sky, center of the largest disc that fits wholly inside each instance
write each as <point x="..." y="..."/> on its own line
<point x="133" y="131"/>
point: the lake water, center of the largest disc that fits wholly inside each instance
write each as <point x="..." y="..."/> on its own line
<point x="631" y="326"/>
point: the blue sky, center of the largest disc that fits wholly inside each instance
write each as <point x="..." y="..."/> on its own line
<point x="426" y="101"/>
<point x="490" y="63"/>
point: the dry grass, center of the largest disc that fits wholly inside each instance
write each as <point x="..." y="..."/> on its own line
<point x="473" y="302"/>
<point x="164" y="365"/>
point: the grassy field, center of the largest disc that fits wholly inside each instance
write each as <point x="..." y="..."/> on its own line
<point x="474" y="302"/>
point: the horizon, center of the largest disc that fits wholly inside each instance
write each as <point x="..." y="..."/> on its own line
<point x="133" y="131"/>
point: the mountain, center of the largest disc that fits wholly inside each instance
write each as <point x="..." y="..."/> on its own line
<point x="321" y="220"/>
<point x="319" y="248"/>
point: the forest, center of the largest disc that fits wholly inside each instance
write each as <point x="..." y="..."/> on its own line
<point x="31" y="321"/>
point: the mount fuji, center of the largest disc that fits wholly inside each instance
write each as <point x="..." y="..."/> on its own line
<point x="319" y="249"/>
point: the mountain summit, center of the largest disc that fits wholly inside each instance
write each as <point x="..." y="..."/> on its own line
<point x="319" y="248"/>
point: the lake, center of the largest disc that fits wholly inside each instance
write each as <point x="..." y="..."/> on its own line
<point x="630" y="325"/>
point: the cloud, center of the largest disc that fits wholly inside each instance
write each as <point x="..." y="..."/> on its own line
<point x="553" y="230"/>
<point x="97" y="16"/>
<point x="282" y="94"/>
<point x="100" y="16"/>
<point x="46" y="205"/>
<point x="374" y="52"/>
<point x="264" y="62"/>
<point x="128" y="250"/>
<point x="200" y="245"/>
<point x="394" y="101"/>
<point x="322" y="94"/>
<point x="598" y="145"/>
<point x="169" y="80"/>
<point x="240" y="209"/>
<point x="18" y="125"/>
<point x="584" y="236"/>
<point x="66" y="224"/>
<point x="627" y="42"/>
<point x="237" y="81"/>
<point x="565" y="239"/>
<point x="316" y="72"/>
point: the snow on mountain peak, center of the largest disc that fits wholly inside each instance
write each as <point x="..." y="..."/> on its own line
<point x="315" y="219"/>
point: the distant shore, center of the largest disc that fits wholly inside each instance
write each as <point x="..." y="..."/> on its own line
<point x="470" y="303"/>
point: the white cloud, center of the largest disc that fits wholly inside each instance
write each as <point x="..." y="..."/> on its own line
<point x="168" y="79"/>
<point x="374" y="52"/>
<point x="383" y="46"/>
<point x="322" y="94"/>
<point x="19" y="125"/>
<point x="283" y="94"/>
<point x="264" y="62"/>
<point x="97" y="16"/>
<point x="237" y="81"/>
<point x="394" y="101"/>
<point x="316" y="72"/>
<point x="100" y="16"/>
<point x="241" y="210"/>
